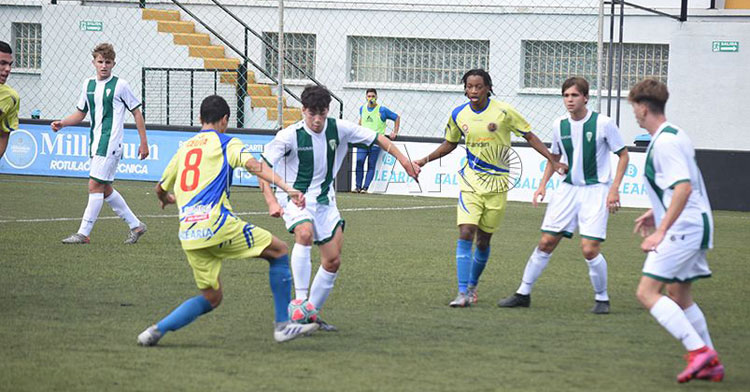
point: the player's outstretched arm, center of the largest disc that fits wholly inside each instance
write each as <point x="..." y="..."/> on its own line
<point x="442" y="150"/>
<point x="411" y="169"/>
<point x="537" y="144"/>
<point x="73" y="119"/>
<point x="140" y="124"/>
<point x="264" y="172"/>
<point x="613" y="198"/>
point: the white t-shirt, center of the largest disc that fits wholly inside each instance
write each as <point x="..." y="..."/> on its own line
<point x="585" y="146"/>
<point x="670" y="160"/>
<point x="309" y="161"/>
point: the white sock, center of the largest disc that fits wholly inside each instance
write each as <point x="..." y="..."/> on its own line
<point x="598" y="275"/>
<point x="301" y="269"/>
<point x="120" y="207"/>
<point x="698" y="320"/>
<point x="321" y="287"/>
<point x="534" y="267"/>
<point x="91" y="213"/>
<point x="673" y="319"/>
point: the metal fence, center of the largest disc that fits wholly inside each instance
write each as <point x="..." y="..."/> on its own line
<point x="414" y="53"/>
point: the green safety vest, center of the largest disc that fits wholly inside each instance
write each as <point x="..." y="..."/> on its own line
<point x="372" y="120"/>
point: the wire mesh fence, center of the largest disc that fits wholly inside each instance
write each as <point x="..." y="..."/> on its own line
<point x="174" y="53"/>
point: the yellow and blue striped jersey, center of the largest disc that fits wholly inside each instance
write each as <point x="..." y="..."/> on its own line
<point x="9" y="105"/>
<point x="200" y="174"/>
<point x="487" y="133"/>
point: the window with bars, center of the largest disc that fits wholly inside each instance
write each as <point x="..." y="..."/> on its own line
<point x="27" y="45"/>
<point x="546" y="64"/>
<point x="414" y="60"/>
<point x="299" y="48"/>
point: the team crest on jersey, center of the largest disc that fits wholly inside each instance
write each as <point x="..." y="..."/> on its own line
<point x="332" y="144"/>
<point x="492" y="127"/>
<point x="589" y="135"/>
<point x="465" y="127"/>
<point x="109" y="90"/>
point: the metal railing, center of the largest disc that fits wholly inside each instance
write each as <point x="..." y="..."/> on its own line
<point x="270" y="45"/>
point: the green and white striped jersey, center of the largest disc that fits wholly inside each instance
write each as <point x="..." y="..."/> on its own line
<point x="670" y="160"/>
<point x="309" y="161"/>
<point x="585" y="146"/>
<point x="106" y="102"/>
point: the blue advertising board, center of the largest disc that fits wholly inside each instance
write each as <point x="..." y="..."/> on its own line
<point x="37" y="150"/>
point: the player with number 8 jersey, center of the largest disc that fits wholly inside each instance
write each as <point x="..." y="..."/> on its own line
<point x="202" y="169"/>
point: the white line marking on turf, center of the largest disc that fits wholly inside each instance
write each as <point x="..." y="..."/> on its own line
<point x="42" y="220"/>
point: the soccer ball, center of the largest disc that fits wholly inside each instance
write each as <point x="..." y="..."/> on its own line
<point x="301" y="311"/>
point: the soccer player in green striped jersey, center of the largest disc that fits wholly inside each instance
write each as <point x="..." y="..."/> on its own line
<point x="9" y="100"/>
<point x="106" y="98"/>
<point x="678" y="232"/>
<point x="308" y="154"/>
<point x="584" y="140"/>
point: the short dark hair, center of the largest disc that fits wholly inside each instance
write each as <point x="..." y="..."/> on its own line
<point x="652" y="93"/>
<point x="478" y="72"/>
<point x="581" y="84"/>
<point x="213" y="109"/>
<point x="371" y="90"/>
<point x="5" y="48"/>
<point x="316" y="98"/>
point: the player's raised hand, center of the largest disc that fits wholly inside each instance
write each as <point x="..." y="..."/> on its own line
<point x="539" y="195"/>
<point x="644" y="224"/>
<point x="56" y="125"/>
<point x="143" y="151"/>
<point x="298" y="198"/>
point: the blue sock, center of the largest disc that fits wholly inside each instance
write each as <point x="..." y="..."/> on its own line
<point x="477" y="266"/>
<point x="463" y="264"/>
<point x="280" y="279"/>
<point x="184" y="314"/>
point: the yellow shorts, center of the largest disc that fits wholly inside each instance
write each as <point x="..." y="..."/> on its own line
<point x="486" y="211"/>
<point x="206" y="262"/>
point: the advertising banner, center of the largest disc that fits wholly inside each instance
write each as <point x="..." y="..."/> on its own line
<point x="37" y="150"/>
<point x="440" y="178"/>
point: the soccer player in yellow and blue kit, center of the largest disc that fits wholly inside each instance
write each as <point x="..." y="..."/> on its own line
<point x="200" y="174"/>
<point x="486" y="125"/>
<point x="9" y="100"/>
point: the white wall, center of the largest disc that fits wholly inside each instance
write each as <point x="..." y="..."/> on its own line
<point x="694" y="71"/>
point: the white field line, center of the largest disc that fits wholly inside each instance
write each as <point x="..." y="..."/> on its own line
<point x="43" y="220"/>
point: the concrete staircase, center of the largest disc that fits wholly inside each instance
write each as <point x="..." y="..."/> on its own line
<point x="262" y="100"/>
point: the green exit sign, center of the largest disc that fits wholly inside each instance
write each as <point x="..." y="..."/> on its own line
<point x="91" y="25"/>
<point x="726" y="46"/>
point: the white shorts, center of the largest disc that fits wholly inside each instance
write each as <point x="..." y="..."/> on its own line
<point x="674" y="262"/>
<point x="324" y="218"/>
<point x="103" y="169"/>
<point x="582" y="207"/>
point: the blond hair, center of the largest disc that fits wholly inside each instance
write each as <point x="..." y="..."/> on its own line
<point x="106" y="50"/>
